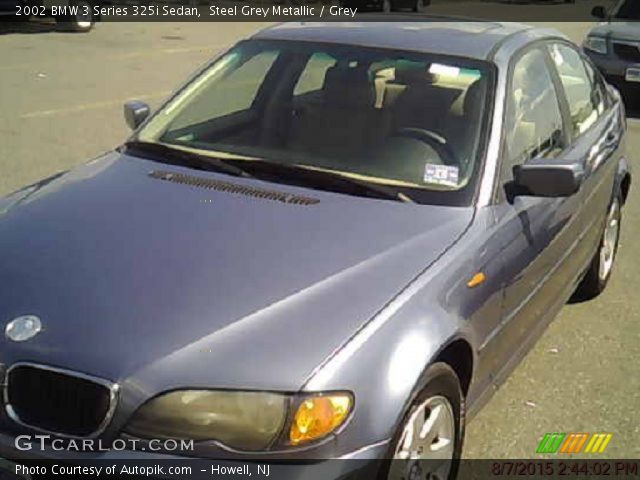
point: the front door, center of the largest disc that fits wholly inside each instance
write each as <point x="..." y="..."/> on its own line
<point x="539" y="236"/>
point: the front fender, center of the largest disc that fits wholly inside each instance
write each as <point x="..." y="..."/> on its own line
<point x="384" y="363"/>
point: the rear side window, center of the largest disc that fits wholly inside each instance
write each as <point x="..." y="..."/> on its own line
<point x="534" y="125"/>
<point x="585" y="105"/>
<point x="599" y="92"/>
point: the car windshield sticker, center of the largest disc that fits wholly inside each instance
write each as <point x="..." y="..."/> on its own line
<point x="441" y="174"/>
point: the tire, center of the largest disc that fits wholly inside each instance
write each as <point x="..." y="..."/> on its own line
<point x="442" y="396"/>
<point x="82" y="22"/>
<point x="421" y="5"/>
<point x="599" y="273"/>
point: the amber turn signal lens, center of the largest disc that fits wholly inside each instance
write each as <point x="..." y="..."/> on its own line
<point x="319" y="416"/>
<point x="476" y="280"/>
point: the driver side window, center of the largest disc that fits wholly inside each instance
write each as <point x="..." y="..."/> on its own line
<point x="534" y="124"/>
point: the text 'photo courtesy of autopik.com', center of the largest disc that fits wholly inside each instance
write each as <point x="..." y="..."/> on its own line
<point x="319" y="239"/>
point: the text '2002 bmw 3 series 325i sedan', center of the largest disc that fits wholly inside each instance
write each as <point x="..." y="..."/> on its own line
<point x="330" y="243"/>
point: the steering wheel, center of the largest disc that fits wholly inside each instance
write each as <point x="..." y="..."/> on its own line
<point x="435" y="141"/>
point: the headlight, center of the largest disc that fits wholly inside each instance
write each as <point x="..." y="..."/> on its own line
<point x="596" y="44"/>
<point x="250" y="421"/>
<point x="242" y="420"/>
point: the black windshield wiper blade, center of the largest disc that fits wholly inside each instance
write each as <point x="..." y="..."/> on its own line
<point x="309" y="173"/>
<point x="188" y="159"/>
<point x="383" y="191"/>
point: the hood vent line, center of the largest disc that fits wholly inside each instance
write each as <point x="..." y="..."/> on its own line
<point x="228" y="187"/>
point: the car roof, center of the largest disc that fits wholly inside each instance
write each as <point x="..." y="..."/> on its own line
<point x="443" y="35"/>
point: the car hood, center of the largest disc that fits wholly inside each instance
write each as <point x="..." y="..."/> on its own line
<point x="161" y="284"/>
<point x="618" y="30"/>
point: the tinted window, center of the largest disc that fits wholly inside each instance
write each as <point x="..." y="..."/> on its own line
<point x="234" y="91"/>
<point x="584" y="105"/>
<point x="312" y="76"/>
<point x="409" y="121"/>
<point x="534" y="126"/>
<point x="599" y="92"/>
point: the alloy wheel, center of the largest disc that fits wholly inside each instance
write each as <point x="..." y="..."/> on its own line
<point x="609" y="240"/>
<point x="427" y="442"/>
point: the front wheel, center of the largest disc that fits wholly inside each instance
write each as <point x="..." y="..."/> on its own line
<point x="81" y="20"/>
<point x="428" y="443"/>
<point x="597" y="277"/>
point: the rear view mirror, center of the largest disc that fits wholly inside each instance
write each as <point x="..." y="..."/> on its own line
<point x="599" y="12"/>
<point x="548" y="178"/>
<point x="136" y="112"/>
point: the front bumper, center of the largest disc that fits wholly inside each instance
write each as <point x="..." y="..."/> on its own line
<point x="360" y="464"/>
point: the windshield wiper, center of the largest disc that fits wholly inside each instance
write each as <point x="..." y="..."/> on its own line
<point x="311" y="176"/>
<point x="168" y="154"/>
<point x="381" y="190"/>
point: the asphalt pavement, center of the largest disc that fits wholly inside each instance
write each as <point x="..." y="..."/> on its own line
<point x="61" y="97"/>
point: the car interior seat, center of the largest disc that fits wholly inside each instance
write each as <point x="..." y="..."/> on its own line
<point x="343" y="120"/>
<point x="460" y="130"/>
<point x="416" y="100"/>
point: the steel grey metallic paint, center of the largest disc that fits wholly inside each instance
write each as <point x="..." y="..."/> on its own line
<point x="159" y="286"/>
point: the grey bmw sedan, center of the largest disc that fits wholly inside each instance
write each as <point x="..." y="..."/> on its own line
<point x="334" y="241"/>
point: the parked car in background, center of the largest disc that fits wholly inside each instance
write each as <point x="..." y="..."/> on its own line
<point x="335" y="241"/>
<point x="523" y="2"/>
<point x="614" y="46"/>
<point x="386" y="5"/>
<point x="71" y="15"/>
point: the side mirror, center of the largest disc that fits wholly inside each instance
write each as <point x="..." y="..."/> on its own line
<point x="545" y="177"/>
<point x="136" y="112"/>
<point x="599" y="12"/>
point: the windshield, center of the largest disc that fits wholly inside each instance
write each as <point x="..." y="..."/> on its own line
<point x="414" y="122"/>
<point x="627" y="10"/>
